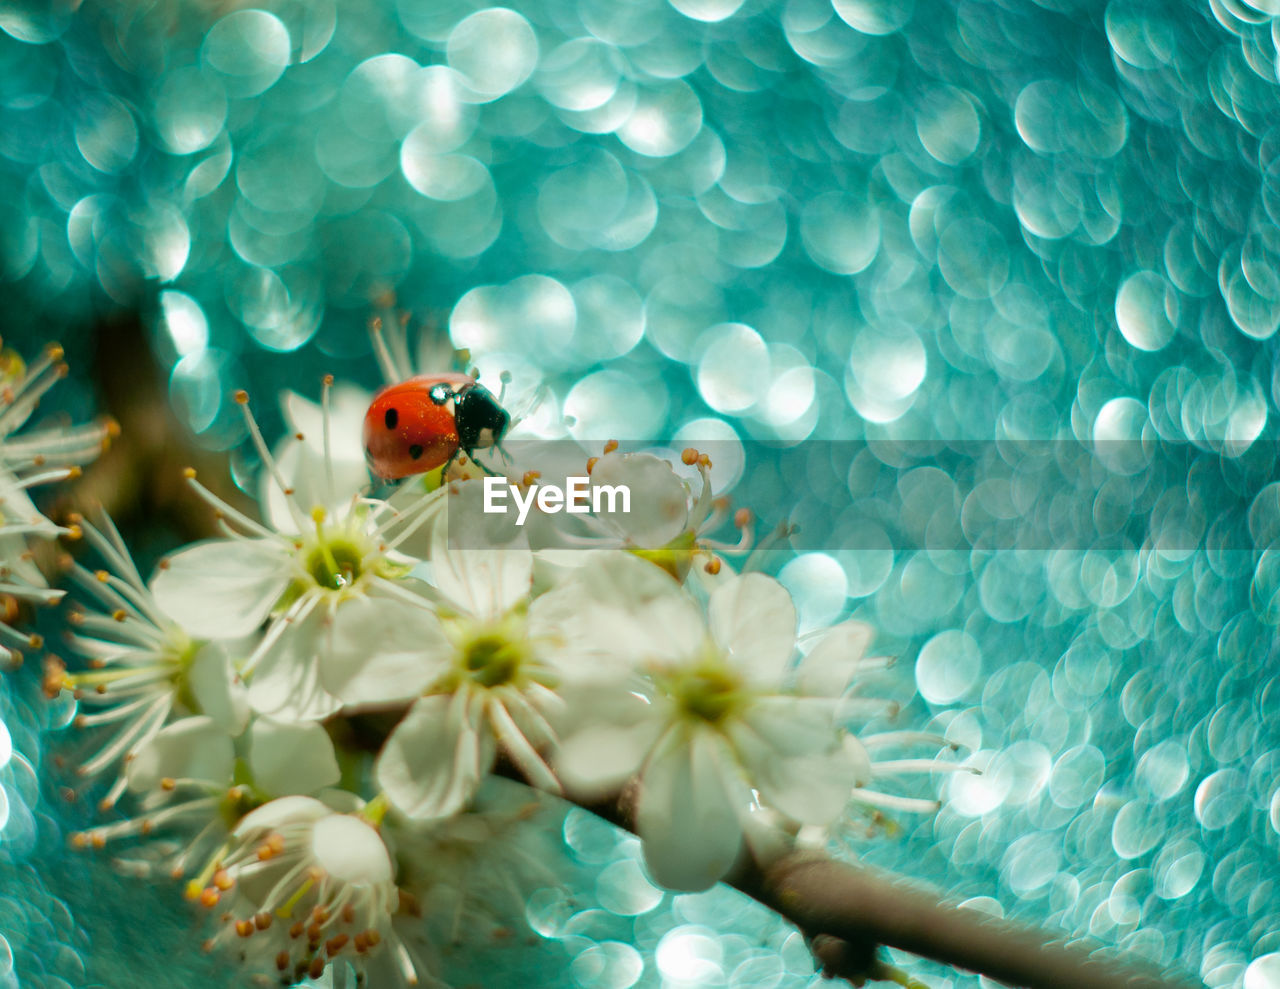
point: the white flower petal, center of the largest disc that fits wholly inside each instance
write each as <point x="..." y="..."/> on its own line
<point x="291" y="758"/>
<point x="285" y="679"/>
<point x="434" y="759"/>
<point x="800" y="771"/>
<point x="223" y="588"/>
<point x="616" y="612"/>
<point x="484" y="584"/>
<point x="608" y="733"/>
<point x="753" y="619"/>
<point x="217" y="690"/>
<point x="284" y="810"/>
<point x="381" y="649"/>
<point x="303" y="468"/>
<point x="659" y="508"/>
<point x="347" y="406"/>
<point x="349" y="850"/>
<point x="830" y="666"/>
<point x="859" y="758"/>
<point x="193" y="748"/>
<point x="685" y="817"/>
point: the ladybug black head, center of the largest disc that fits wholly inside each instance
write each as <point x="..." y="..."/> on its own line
<point x="480" y="419"/>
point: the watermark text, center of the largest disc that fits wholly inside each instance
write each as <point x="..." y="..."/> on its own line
<point x="577" y="497"/>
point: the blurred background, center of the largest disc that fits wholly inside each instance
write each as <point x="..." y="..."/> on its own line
<point x="981" y="293"/>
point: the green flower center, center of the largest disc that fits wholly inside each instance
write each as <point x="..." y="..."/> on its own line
<point x="491" y="660"/>
<point x="708" y="691"/>
<point x="334" y="564"/>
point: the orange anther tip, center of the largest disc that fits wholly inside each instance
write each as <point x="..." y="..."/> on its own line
<point x="689" y="456"/>
<point x="591" y="463"/>
<point x="168" y="783"/>
<point x="242" y="396"/>
<point x="209" y="897"/>
<point x="743" y="517"/>
<point x="328" y="380"/>
<point x="55" y="351"/>
<point x="189" y="473"/>
<point x="610" y="446"/>
<point x="713" y="566"/>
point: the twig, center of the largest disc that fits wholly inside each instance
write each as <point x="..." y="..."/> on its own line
<point x="847" y="912"/>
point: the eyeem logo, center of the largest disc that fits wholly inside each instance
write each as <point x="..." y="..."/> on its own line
<point x="577" y="497"/>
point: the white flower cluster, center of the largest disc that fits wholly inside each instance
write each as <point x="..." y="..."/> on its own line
<point x="34" y="458"/>
<point x="304" y="711"/>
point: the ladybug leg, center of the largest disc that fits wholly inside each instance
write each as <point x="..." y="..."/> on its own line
<point x="484" y="467"/>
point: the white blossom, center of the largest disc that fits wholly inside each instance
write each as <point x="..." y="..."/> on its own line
<point x="330" y="587"/>
<point x="143" y="667"/>
<point x="301" y="886"/>
<point x="53" y="453"/>
<point x="670" y="520"/>
<point x="722" y="724"/>
<point x="494" y="676"/>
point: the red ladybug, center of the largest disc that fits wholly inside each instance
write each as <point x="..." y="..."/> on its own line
<point x="424" y="422"/>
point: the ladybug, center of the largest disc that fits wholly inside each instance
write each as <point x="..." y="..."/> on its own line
<point x="426" y="421"/>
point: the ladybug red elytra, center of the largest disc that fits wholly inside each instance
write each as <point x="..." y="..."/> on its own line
<point x="425" y="421"/>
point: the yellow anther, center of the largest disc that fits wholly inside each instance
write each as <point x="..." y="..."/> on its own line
<point x="242" y="397"/>
<point x="189" y="473"/>
<point x="103" y="576"/>
<point x="689" y="456"/>
<point x="318" y="515"/>
<point x="55" y="351"/>
<point x="610" y="446"/>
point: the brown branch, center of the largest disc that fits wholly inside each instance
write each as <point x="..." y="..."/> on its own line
<point x="847" y="912"/>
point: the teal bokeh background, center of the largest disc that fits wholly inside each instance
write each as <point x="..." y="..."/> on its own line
<point x="1047" y="225"/>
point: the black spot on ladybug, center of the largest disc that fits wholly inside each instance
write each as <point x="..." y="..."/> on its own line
<point x="415" y="451"/>
<point x="391" y="418"/>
